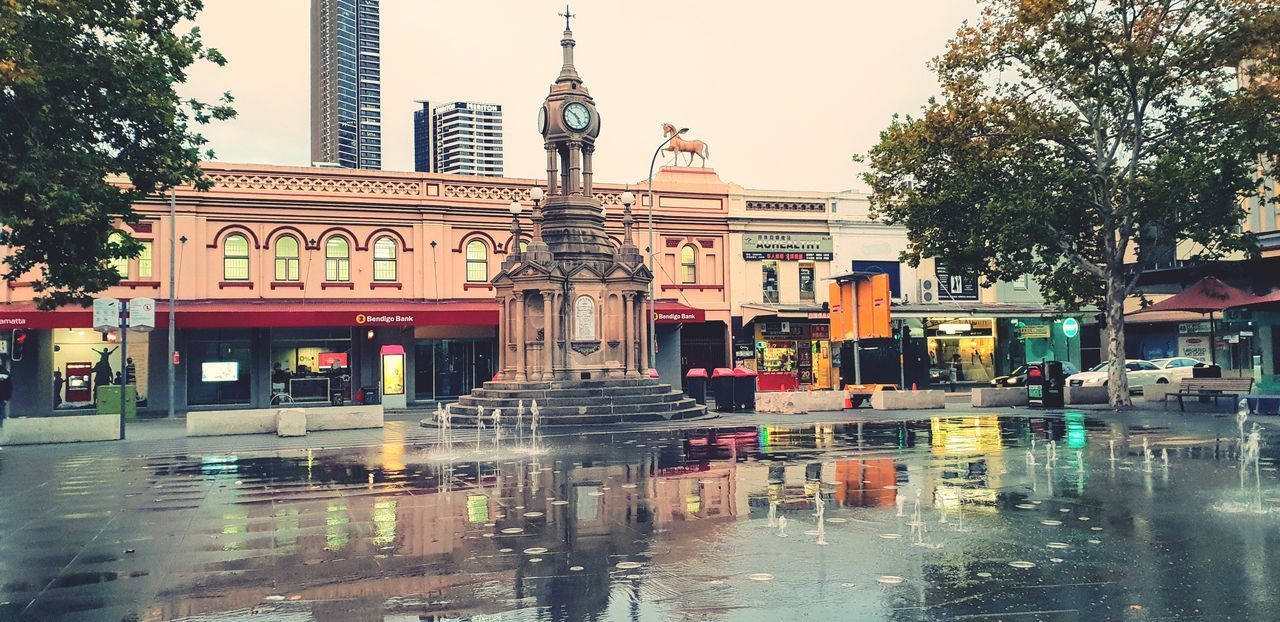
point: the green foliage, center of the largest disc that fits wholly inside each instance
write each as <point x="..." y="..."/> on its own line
<point x="87" y="98"/>
<point x="1073" y="134"/>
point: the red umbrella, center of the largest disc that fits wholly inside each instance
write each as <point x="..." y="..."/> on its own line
<point x="1208" y="295"/>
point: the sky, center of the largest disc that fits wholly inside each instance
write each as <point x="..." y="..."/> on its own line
<point x="783" y="93"/>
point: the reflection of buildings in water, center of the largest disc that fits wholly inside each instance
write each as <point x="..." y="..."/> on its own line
<point x="862" y="483"/>
<point x="972" y="458"/>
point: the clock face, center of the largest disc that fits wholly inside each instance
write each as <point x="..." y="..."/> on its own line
<point x="542" y="120"/>
<point x="576" y="116"/>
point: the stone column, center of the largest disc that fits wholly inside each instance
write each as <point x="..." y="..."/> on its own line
<point x="551" y="169"/>
<point x="643" y="363"/>
<point x="586" y="169"/>
<point x="503" y="316"/>
<point x="628" y="334"/>
<point x="548" y="334"/>
<point x="520" y="343"/>
<point x="575" y="167"/>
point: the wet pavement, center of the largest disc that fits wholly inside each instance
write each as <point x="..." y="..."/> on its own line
<point x="1009" y="517"/>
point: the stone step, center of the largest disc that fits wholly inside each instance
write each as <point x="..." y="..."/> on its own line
<point x="669" y="402"/>
<point x="688" y="412"/>
<point x="509" y="405"/>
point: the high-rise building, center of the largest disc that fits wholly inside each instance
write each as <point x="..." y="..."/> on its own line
<point x="458" y="137"/>
<point x="346" y="84"/>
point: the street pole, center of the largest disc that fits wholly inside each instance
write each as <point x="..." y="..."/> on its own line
<point x="173" y="299"/>
<point x="124" y="358"/>
<point x="653" y="335"/>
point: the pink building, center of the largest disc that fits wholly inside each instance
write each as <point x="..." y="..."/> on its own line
<point x="291" y="281"/>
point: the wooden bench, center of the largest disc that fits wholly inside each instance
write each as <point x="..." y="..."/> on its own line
<point x="1215" y="388"/>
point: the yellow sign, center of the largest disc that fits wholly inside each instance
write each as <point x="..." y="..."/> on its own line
<point x="393" y="374"/>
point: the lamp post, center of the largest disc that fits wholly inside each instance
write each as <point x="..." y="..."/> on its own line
<point x="653" y="335"/>
<point x="515" y="208"/>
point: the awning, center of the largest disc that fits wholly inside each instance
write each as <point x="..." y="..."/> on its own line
<point x="672" y="312"/>
<point x="784" y="311"/>
<point x="1268" y="299"/>
<point x="276" y="314"/>
<point x="1205" y="296"/>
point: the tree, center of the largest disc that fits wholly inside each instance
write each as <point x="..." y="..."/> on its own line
<point x="87" y="96"/>
<point x="1075" y="138"/>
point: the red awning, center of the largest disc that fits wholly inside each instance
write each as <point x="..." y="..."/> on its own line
<point x="276" y="314"/>
<point x="1268" y="299"/>
<point x="672" y="312"/>
<point x="1207" y="295"/>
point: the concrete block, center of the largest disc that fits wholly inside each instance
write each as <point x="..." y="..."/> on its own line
<point x="1002" y="396"/>
<point x="1086" y="395"/>
<point x="1154" y="393"/>
<point x="291" y="422"/>
<point x="908" y="400"/>
<point x="796" y="402"/>
<point x="344" y="417"/>
<point x="74" y="429"/>
<point x="226" y="422"/>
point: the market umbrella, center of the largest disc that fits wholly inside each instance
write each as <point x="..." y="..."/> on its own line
<point x="1208" y="295"/>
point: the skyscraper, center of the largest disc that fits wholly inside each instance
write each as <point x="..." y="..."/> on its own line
<point x="346" y="84"/>
<point x="458" y="137"/>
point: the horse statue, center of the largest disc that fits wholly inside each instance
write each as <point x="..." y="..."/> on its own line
<point x="679" y="145"/>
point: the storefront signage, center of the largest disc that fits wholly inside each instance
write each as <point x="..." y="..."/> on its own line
<point x="388" y="320"/>
<point x="786" y="247"/>
<point x="1037" y="331"/>
<point x="743" y="351"/>
<point x="106" y="314"/>
<point x="1194" y="347"/>
<point x="1070" y="327"/>
<point x="392" y="369"/>
<point x="678" y="316"/>
<point x="957" y="286"/>
<point x="891" y="268"/>
<point x="1193" y="328"/>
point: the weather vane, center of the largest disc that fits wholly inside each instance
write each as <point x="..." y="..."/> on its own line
<point x="566" y="15"/>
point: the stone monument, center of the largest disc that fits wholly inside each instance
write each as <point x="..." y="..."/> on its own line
<point x="573" y="329"/>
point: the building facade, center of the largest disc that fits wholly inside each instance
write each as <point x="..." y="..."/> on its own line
<point x="346" y="84"/>
<point x="463" y="138"/>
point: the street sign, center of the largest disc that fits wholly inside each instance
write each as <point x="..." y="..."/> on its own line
<point x="142" y="314"/>
<point x="1034" y="331"/>
<point x="1070" y="327"/>
<point x="106" y="314"/>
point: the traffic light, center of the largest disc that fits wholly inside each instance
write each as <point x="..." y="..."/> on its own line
<point x="19" y="346"/>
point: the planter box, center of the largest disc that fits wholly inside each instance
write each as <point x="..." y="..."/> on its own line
<point x="72" y="429"/>
<point x="796" y="402"/>
<point x="1002" y="396"/>
<point x="1086" y="395"/>
<point x="908" y="400"/>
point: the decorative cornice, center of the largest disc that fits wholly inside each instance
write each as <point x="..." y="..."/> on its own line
<point x="786" y="206"/>
<point x="284" y="182"/>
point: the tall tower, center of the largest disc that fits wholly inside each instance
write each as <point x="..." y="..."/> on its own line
<point x="458" y="137"/>
<point x="346" y="79"/>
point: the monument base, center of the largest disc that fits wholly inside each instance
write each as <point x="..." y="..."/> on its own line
<point x="577" y="402"/>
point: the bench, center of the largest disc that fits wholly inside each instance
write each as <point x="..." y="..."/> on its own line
<point x="1215" y="388"/>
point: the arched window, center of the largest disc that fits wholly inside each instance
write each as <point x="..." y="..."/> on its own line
<point x="119" y="264"/>
<point x="384" y="259"/>
<point x="235" y="258"/>
<point x="477" y="262"/>
<point x="688" y="264"/>
<point x="337" y="259"/>
<point x="287" y="259"/>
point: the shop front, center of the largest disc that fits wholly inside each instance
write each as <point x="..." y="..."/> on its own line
<point x="792" y="355"/>
<point x="965" y="347"/>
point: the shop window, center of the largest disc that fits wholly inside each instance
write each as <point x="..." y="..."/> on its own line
<point x="235" y="258"/>
<point x="477" y="262"/>
<point x="287" y="265"/>
<point x="218" y="366"/>
<point x="688" y="265"/>
<point x="119" y="264"/>
<point x="769" y="276"/>
<point x="806" y="281"/>
<point x="337" y="259"/>
<point x="309" y="364"/>
<point x="384" y="259"/>
<point x="83" y="360"/>
<point x="145" y="265"/>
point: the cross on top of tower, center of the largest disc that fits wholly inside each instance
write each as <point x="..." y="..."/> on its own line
<point x="566" y="15"/>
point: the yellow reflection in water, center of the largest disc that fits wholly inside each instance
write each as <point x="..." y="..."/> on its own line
<point x="384" y="521"/>
<point x="336" y="522"/>
<point x="477" y="508"/>
<point x="965" y="435"/>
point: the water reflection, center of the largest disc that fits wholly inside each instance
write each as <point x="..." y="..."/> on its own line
<point x="935" y="518"/>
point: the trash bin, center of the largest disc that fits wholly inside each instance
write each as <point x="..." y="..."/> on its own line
<point x="1055" y="382"/>
<point x="695" y="385"/>
<point x="722" y="383"/>
<point x="1206" y="371"/>
<point x="744" y="389"/>
<point x="369" y="394"/>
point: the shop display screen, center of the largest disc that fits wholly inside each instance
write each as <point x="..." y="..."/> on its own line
<point x="220" y="371"/>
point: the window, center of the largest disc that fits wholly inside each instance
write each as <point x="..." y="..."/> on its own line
<point x="384" y="259"/>
<point x="806" y="281"/>
<point x="1022" y="284"/>
<point x="337" y="259"/>
<point x="688" y="265"/>
<point x="287" y="259"/>
<point x="119" y="264"/>
<point x="477" y="262"/>
<point x="145" y="265"/>
<point x="769" y="274"/>
<point x="235" y="258"/>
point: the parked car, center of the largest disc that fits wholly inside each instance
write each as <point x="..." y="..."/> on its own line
<point x="1178" y="368"/>
<point x="1140" y="373"/>
<point x="1018" y="377"/>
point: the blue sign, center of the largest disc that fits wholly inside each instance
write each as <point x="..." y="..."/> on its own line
<point x="891" y="268"/>
<point x="1070" y="327"/>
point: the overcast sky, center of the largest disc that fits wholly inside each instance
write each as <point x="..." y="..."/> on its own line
<point x="783" y="92"/>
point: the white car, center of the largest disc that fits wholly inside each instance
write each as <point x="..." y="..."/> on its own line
<point x="1139" y="372"/>
<point x="1177" y="368"/>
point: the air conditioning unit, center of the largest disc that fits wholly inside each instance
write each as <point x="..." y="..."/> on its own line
<point x="928" y="291"/>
